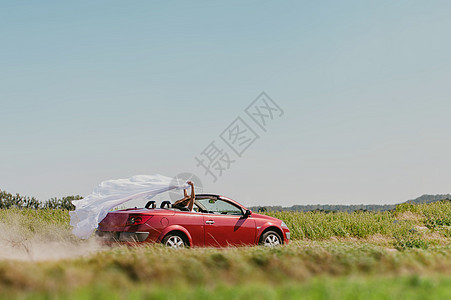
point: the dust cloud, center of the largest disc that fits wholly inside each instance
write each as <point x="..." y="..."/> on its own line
<point x="29" y="242"/>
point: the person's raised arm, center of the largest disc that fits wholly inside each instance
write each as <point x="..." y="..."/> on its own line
<point x="183" y="200"/>
<point x="191" y="200"/>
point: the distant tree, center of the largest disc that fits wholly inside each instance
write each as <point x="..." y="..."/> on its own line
<point x="262" y="209"/>
<point x="31" y="203"/>
<point x="63" y="203"/>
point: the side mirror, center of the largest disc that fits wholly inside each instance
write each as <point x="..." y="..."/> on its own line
<point x="247" y="213"/>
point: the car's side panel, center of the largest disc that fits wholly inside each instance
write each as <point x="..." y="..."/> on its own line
<point x="192" y="222"/>
<point x="228" y="230"/>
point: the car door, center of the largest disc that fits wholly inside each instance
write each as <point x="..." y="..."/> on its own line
<point x="193" y="223"/>
<point x="225" y="224"/>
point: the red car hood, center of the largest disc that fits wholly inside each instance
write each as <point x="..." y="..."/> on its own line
<point x="268" y="218"/>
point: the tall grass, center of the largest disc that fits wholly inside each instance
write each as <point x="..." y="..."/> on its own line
<point x="321" y="225"/>
<point x="305" y="225"/>
<point x="35" y="218"/>
<point x="29" y="234"/>
<point x="408" y="226"/>
<point x="156" y="267"/>
<point x="367" y="288"/>
<point x="433" y="215"/>
<point x="326" y="247"/>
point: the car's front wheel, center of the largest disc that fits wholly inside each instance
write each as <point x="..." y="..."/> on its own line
<point x="175" y="240"/>
<point x="271" y="239"/>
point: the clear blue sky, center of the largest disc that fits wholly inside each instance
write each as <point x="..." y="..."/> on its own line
<point x="95" y="90"/>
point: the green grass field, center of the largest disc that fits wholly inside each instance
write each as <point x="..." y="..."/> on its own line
<point x="404" y="253"/>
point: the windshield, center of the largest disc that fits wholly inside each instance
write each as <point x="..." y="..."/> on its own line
<point x="218" y="206"/>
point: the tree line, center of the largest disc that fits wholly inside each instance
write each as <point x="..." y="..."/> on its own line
<point x="350" y="208"/>
<point x="8" y="200"/>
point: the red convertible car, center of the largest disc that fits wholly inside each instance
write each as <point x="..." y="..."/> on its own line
<point x="215" y="221"/>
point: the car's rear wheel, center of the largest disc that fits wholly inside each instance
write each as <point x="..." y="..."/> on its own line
<point x="271" y="239"/>
<point x="175" y="240"/>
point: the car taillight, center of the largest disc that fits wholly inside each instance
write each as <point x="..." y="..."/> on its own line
<point x="137" y="219"/>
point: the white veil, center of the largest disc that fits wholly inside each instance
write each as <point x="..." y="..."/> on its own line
<point x="92" y="209"/>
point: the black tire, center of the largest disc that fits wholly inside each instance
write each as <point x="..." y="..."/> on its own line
<point x="175" y="240"/>
<point x="271" y="239"/>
